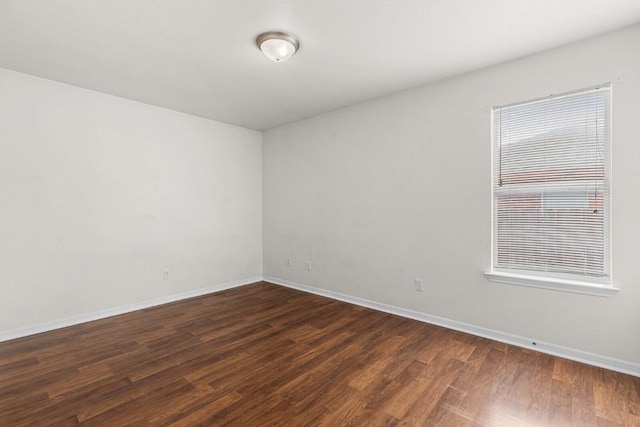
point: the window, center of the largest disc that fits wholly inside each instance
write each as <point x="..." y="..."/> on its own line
<point x="551" y="199"/>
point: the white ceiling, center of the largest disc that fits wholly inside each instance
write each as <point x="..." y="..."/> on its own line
<point x="200" y="57"/>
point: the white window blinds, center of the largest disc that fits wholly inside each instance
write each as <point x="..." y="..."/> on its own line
<point x="551" y="186"/>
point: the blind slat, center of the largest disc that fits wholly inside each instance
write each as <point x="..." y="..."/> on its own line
<point x="551" y="184"/>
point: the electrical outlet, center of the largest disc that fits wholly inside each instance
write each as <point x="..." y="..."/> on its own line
<point x="288" y="262"/>
<point x="166" y="274"/>
<point x="308" y="265"/>
<point x="419" y="285"/>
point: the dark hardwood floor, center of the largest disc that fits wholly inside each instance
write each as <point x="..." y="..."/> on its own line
<point x="264" y="355"/>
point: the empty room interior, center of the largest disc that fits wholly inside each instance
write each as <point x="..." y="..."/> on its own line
<point x="291" y="213"/>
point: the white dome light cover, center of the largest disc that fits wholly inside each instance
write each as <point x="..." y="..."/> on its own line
<point x="277" y="46"/>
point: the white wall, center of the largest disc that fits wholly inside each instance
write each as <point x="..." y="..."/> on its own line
<point x="383" y="192"/>
<point x="98" y="195"/>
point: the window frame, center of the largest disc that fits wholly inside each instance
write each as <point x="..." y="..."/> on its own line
<point x="546" y="280"/>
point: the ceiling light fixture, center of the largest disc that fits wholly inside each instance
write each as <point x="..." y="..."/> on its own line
<point x="277" y="46"/>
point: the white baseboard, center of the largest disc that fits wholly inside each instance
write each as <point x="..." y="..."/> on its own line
<point x="50" y="326"/>
<point x="553" y="349"/>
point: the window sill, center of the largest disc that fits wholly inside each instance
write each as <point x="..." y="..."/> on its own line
<point x="564" y="285"/>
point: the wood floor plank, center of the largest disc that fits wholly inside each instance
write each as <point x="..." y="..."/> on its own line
<point x="560" y="409"/>
<point x="208" y="414"/>
<point x="267" y="355"/>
